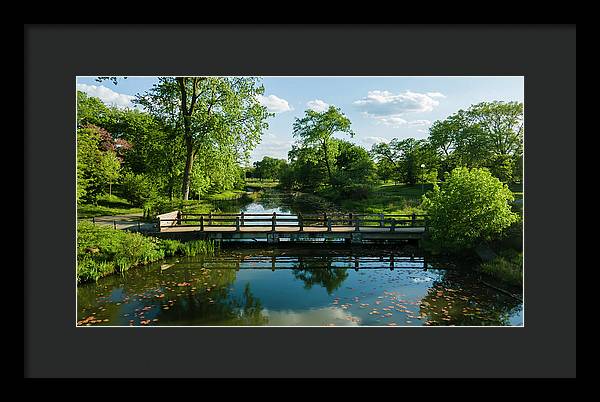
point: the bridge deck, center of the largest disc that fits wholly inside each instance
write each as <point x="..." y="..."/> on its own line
<point x="292" y="229"/>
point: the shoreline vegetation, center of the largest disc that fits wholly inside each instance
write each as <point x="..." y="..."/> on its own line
<point x="103" y="251"/>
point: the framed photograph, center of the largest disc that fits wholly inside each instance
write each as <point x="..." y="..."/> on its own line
<point x="379" y="202"/>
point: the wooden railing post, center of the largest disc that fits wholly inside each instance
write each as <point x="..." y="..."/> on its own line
<point x="329" y="224"/>
<point x="300" y="222"/>
<point x="202" y="223"/>
<point x="114" y="224"/>
<point x="237" y="223"/>
<point x="350" y="221"/>
<point x="94" y="220"/>
<point x="393" y="227"/>
<point x="324" y="218"/>
<point x="273" y="221"/>
<point x="179" y="217"/>
<point x="210" y="218"/>
<point x="242" y="222"/>
<point x="381" y="220"/>
<point x="414" y="219"/>
<point x="139" y="228"/>
<point x="356" y="224"/>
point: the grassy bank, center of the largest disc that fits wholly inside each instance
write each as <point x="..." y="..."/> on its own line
<point x="507" y="268"/>
<point x="103" y="250"/>
<point x="387" y="198"/>
<point x="107" y="205"/>
<point x="261" y="185"/>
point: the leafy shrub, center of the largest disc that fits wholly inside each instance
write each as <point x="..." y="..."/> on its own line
<point x="138" y="189"/>
<point x="469" y="207"/>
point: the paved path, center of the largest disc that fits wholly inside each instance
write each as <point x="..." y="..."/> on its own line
<point x="124" y="222"/>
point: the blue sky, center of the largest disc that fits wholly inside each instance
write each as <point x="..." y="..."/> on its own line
<point x="380" y="108"/>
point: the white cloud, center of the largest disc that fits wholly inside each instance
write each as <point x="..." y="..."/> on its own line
<point x="272" y="146"/>
<point x="369" y="141"/>
<point x="107" y="95"/>
<point x="385" y="103"/>
<point x="397" y="121"/>
<point x="317" y="105"/>
<point x="274" y="104"/>
<point x="436" y="95"/>
<point x="419" y="123"/>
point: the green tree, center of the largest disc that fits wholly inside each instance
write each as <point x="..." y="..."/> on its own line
<point x="406" y="157"/>
<point x="91" y="110"/>
<point x="306" y="170"/>
<point x="108" y="168"/>
<point x="353" y="164"/>
<point x="469" y="207"/>
<point x="269" y="168"/>
<point x="87" y="147"/>
<point x="318" y="128"/>
<point x="140" y="190"/>
<point x="488" y="134"/>
<point x="224" y="109"/>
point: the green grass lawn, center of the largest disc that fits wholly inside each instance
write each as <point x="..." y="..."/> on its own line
<point x="390" y="198"/>
<point x="261" y="185"/>
<point x="107" y="205"/>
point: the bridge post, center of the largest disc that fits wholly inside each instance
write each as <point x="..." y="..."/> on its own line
<point x="274" y="221"/>
<point x="393" y="227"/>
<point x="350" y="221"/>
<point x="329" y="224"/>
<point x="324" y="218"/>
<point x="356" y="224"/>
<point x="237" y="223"/>
<point x="414" y="219"/>
<point x="179" y="217"/>
<point x="392" y="261"/>
<point x="114" y="224"/>
<point x="210" y="218"/>
<point x="300" y="222"/>
<point x="202" y="223"/>
<point x="381" y="220"/>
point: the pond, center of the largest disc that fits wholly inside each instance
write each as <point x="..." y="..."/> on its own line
<point x="253" y="284"/>
<point x="291" y="286"/>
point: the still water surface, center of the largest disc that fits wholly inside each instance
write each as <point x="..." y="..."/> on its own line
<point x="293" y="287"/>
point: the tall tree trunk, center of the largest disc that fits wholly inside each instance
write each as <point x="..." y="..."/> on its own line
<point x="327" y="162"/>
<point x="189" y="161"/>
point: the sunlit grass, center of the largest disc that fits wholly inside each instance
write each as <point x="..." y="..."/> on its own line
<point x="107" y="205"/>
<point x="103" y="250"/>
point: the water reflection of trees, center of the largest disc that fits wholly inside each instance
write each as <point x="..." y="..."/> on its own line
<point x="182" y="295"/>
<point x="320" y="271"/>
<point x="459" y="299"/>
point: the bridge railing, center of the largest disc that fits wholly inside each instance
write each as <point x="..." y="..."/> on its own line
<point x="325" y="220"/>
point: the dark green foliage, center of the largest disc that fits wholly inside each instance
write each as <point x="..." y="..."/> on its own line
<point x="507" y="268"/>
<point x="268" y="168"/>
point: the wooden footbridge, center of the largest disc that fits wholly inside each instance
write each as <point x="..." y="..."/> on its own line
<point x="352" y="228"/>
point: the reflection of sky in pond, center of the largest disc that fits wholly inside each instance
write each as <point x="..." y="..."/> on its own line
<point x="314" y="317"/>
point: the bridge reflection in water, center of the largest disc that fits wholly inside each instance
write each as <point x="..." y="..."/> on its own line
<point x="275" y="262"/>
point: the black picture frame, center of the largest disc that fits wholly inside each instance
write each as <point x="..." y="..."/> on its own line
<point x="55" y="54"/>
